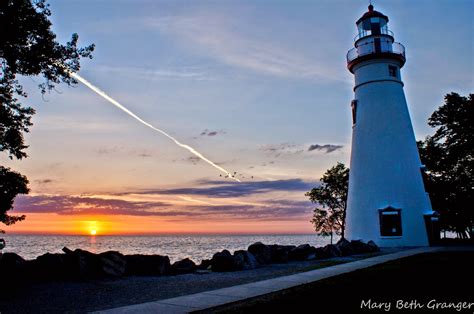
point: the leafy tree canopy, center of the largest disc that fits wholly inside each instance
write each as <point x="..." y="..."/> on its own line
<point x="28" y="47"/>
<point x="331" y="199"/>
<point x="449" y="159"/>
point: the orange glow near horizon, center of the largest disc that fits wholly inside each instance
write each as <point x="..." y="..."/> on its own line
<point x="93" y="227"/>
<point x="136" y="225"/>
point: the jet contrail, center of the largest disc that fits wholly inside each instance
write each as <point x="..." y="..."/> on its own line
<point x="121" y="107"/>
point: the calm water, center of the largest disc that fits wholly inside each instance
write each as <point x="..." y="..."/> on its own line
<point x="196" y="247"/>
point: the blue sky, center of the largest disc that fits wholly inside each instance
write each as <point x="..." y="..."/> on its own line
<point x="250" y="84"/>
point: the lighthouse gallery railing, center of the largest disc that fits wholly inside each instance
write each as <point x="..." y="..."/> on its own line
<point x="369" y="48"/>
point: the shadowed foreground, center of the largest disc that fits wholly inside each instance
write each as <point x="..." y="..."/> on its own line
<point x="443" y="276"/>
<point x="91" y="295"/>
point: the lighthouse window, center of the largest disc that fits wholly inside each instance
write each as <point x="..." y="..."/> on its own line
<point x="392" y="71"/>
<point x="354" y="111"/>
<point x="390" y="222"/>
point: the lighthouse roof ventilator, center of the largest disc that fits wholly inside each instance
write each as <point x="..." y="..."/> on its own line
<point x="387" y="201"/>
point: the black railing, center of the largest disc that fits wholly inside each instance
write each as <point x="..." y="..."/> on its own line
<point x="369" y="48"/>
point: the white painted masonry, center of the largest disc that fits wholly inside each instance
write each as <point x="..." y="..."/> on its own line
<point x="385" y="164"/>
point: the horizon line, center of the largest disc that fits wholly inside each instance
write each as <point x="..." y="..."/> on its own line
<point x="160" y="234"/>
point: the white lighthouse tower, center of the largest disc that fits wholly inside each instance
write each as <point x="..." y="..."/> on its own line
<point x="387" y="202"/>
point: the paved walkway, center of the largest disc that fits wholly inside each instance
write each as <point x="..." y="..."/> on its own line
<point x="208" y="299"/>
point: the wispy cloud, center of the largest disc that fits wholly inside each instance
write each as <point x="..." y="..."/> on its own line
<point x="277" y="150"/>
<point x="122" y="150"/>
<point x="289" y="149"/>
<point x="208" y="132"/>
<point x="328" y="148"/>
<point x="145" y="154"/>
<point x="44" y="181"/>
<point x="80" y="205"/>
<point x="107" y="150"/>
<point x="193" y="159"/>
<point x="217" y="35"/>
<point x="146" y="74"/>
<point x="233" y="189"/>
<point x="58" y="123"/>
<point x="271" y="162"/>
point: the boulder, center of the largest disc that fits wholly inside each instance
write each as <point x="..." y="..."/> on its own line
<point x="11" y="260"/>
<point x="67" y="250"/>
<point x="302" y="252"/>
<point x="113" y="263"/>
<point x="321" y="253"/>
<point x="373" y="246"/>
<point x="82" y="264"/>
<point x="360" y="247"/>
<point x="331" y="250"/>
<point x="184" y="266"/>
<point x="262" y="252"/>
<point x="49" y="266"/>
<point x="280" y="253"/>
<point x="345" y="247"/>
<point x="147" y="265"/>
<point x="12" y="266"/>
<point x="205" y="264"/>
<point x="223" y="261"/>
<point x="245" y="260"/>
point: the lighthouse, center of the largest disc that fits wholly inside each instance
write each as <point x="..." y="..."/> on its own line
<point x="387" y="201"/>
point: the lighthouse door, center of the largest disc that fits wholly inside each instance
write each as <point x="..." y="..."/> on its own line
<point x="432" y="228"/>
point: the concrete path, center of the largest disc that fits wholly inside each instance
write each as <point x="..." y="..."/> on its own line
<point x="208" y="299"/>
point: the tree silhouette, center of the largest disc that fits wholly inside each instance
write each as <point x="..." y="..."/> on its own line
<point x="331" y="198"/>
<point x="28" y="47"/>
<point x="449" y="159"/>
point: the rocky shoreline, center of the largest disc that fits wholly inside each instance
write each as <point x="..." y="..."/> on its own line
<point x="80" y="264"/>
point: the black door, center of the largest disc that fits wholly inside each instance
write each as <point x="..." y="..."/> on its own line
<point x="432" y="229"/>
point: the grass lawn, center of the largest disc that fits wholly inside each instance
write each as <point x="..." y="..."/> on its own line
<point x="445" y="277"/>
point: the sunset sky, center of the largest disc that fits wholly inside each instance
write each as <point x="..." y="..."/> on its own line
<point x="259" y="87"/>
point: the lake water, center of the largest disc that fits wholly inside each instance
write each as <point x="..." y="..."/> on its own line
<point x="196" y="247"/>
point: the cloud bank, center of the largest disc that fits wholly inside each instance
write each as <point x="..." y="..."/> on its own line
<point x="228" y="207"/>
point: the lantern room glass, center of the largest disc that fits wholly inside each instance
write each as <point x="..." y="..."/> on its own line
<point x="372" y="26"/>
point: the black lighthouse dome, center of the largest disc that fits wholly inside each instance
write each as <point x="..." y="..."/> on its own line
<point x="372" y="23"/>
<point x="372" y="13"/>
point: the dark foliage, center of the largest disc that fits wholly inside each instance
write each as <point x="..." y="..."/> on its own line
<point x="11" y="184"/>
<point x="331" y="197"/>
<point x="449" y="159"/>
<point x="28" y="47"/>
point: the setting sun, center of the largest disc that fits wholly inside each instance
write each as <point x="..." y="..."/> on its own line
<point x="93" y="232"/>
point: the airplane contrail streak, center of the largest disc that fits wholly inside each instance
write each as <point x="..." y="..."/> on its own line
<point x="104" y="95"/>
